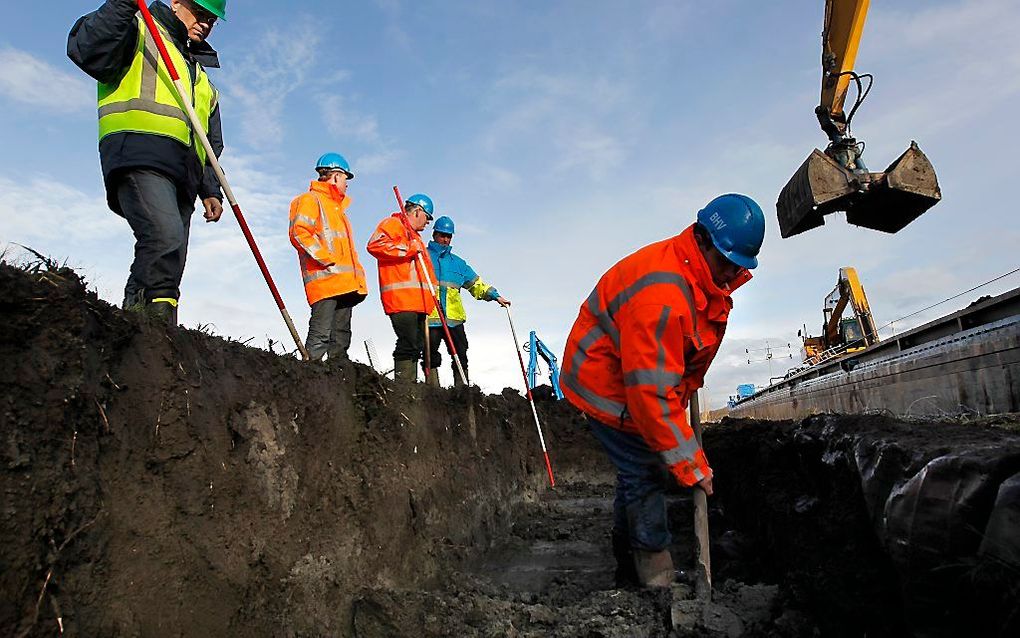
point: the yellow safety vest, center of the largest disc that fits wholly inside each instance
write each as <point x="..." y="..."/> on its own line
<point x="144" y="99"/>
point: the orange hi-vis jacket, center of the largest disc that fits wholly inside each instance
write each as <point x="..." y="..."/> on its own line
<point x="401" y="286"/>
<point x="321" y="232"/>
<point x="642" y="343"/>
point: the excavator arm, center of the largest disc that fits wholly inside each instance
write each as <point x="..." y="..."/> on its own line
<point x="837" y="179"/>
<point x="859" y="300"/>
<point x="848" y="292"/>
<point x="536" y="348"/>
<point x="844" y="25"/>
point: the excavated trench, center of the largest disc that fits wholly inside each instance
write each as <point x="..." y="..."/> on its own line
<point x="180" y="484"/>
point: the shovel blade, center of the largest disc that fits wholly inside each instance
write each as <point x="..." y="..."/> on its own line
<point x="885" y="201"/>
<point x="898" y="196"/>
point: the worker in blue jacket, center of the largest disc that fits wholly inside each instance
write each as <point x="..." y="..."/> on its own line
<point x="453" y="274"/>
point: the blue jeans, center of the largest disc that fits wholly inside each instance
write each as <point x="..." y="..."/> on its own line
<point x="639" y="510"/>
<point x="160" y="220"/>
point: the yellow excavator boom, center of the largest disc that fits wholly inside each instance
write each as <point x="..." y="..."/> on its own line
<point x="839" y="335"/>
<point x="837" y="179"/>
<point x="844" y="25"/>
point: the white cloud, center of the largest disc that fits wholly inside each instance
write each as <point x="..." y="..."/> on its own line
<point x="574" y="120"/>
<point x="43" y="210"/>
<point x="26" y="79"/>
<point x="261" y="80"/>
<point x="377" y="162"/>
<point x="68" y="225"/>
<point x="498" y="178"/>
<point x="953" y="63"/>
<point x="345" y="122"/>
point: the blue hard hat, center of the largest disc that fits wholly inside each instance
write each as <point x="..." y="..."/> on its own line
<point x="424" y="201"/>
<point x="736" y="225"/>
<point x="334" y="162"/>
<point x="444" y="225"/>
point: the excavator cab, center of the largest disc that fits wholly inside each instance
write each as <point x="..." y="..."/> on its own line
<point x="837" y="179"/>
<point x="851" y="335"/>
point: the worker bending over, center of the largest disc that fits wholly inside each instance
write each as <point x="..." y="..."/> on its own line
<point x="153" y="165"/>
<point x="402" y="285"/>
<point x="453" y="273"/>
<point x="333" y="277"/>
<point x="639" y="349"/>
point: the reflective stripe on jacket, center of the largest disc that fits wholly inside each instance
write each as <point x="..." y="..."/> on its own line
<point x="401" y="286"/>
<point x="642" y="343"/>
<point x="453" y="274"/>
<point x="321" y="233"/>
<point x="143" y="100"/>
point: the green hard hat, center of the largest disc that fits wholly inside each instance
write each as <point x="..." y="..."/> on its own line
<point x="216" y="7"/>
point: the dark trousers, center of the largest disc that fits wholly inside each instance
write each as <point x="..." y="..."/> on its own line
<point x="329" y="327"/>
<point x="160" y="220"/>
<point x="639" y="510"/>
<point x="460" y="342"/>
<point x="410" y="330"/>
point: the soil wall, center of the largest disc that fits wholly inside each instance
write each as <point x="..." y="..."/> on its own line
<point x="158" y="484"/>
<point x="874" y="525"/>
<point x="180" y="484"/>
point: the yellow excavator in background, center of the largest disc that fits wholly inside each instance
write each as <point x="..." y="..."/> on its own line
<point x="842" y="335"/>
<point x="837" y="179"/>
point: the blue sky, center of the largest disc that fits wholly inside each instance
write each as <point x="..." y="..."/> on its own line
<point x="560" y="136"/>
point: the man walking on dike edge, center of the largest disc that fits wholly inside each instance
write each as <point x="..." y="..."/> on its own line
<point x="153" y="164"/>
<point x="333" y="277"/>
<point x="405" y="294"/>
<point x="453" y="274"/>
<point x="639" y="349"/>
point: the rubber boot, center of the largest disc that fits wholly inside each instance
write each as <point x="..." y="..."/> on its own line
<point x="654" y="569"/>
<point x="626" y="573"/>
<point x="457" y="381"/>
<point x="432" y="378"/>
<point x="135" y="302"/>
<point x="341" y="364"/>
<point x="405" y="371"/>
<point x="162" y="312"/>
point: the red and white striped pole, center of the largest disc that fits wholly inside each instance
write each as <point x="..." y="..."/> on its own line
<point x="531" y="399"/>
<point x="199" y="132"/>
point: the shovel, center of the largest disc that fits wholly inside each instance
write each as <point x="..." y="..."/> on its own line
<point x="703" y="570"/>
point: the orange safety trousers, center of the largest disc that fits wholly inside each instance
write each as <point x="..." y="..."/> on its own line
<point x="642" y="343"/>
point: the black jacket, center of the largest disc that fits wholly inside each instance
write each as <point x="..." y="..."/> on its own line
<point x="102" y="44"/>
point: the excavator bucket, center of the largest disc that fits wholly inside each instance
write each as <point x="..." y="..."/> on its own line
<point x="819" y="187"/>
<point x="906" y="189"/>
<point x="885" y="201"/>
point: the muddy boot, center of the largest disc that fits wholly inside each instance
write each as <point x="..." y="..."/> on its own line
<point x="432" y="378"/>
<point x="162" y="311"/>
<point x="134" y="303"/>
<point x="654" y="569"/>
<point x="405" y="371"/>
<point x="626" y="574"/>
<point x="457" y="382"/>
<point x="343" y="365"/>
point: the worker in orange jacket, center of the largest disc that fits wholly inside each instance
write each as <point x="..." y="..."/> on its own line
<point x="639" y="349"/>
<point x="333" y="276"/>
<point x="405" y="294"/>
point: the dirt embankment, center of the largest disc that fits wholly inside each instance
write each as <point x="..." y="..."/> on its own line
<point x="873" y="525"/>
<point x="180" y="484"/>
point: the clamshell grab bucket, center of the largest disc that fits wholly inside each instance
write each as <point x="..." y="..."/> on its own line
<point x="885" y="201"/>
